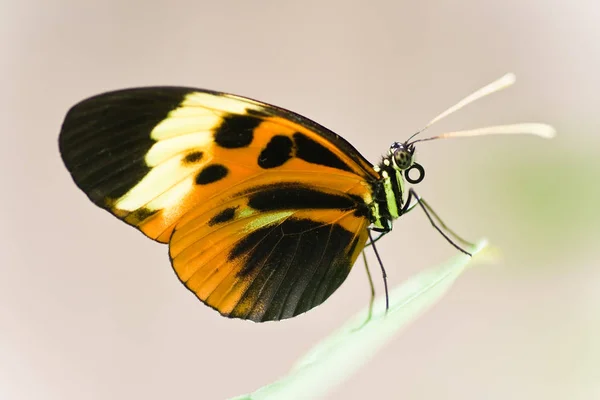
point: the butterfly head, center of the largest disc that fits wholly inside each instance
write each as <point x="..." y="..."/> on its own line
<point x="402" y="157"/>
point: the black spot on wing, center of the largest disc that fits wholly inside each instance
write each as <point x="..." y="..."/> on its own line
<point x="301" y="263"/>
<point x="236" y="131"/>
<point x="104" y="139"/>
<point x="192" y="157"/>
<point x="211" y="173"/>
<point x="315" y="153"/>
<point x="224" y="216"/>
<point x="288" y="197"/>
<point x="276" y="152"/>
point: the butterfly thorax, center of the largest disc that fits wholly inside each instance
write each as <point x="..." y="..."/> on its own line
<point x="387" y="195"/>
<point x="388" y="190"/>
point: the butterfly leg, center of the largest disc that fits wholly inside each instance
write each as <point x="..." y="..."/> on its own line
<point x="383" y="273"/>
<point x="445" y="227"/>
<point x="429" y="212"/>
<point x="382" y="234"/>
<point x="438" y="219"/>
<point x="372" y="286"/>
<point x="372" y="300"/>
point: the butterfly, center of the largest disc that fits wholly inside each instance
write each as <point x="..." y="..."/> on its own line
<point x="265" y="211"/>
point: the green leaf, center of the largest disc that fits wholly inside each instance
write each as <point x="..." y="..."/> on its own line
<point x="337" y="357"/>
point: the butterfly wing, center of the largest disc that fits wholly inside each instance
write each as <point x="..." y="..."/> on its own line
<point x="263" y="256"/>
<point x="161" y="157"/>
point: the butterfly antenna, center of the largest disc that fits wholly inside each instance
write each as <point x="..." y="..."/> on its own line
<point x="530" y="128"/>
<point x="499" y="84"/>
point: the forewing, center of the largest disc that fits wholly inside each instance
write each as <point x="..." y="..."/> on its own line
<point x="151" y="155"/>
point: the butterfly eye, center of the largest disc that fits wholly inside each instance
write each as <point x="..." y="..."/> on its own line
<point x="418" y="178"/>
<point x="403" y="158"/>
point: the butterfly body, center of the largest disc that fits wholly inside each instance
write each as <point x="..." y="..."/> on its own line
<point x="265" y="211"/>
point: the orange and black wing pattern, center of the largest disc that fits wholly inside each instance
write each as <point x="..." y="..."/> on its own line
<point x="265" y="211"/>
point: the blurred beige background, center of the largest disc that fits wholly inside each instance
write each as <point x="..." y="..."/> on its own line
<point x="90" y="309"/>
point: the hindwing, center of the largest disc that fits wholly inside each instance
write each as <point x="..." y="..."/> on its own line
<point x="269" y="255"/>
